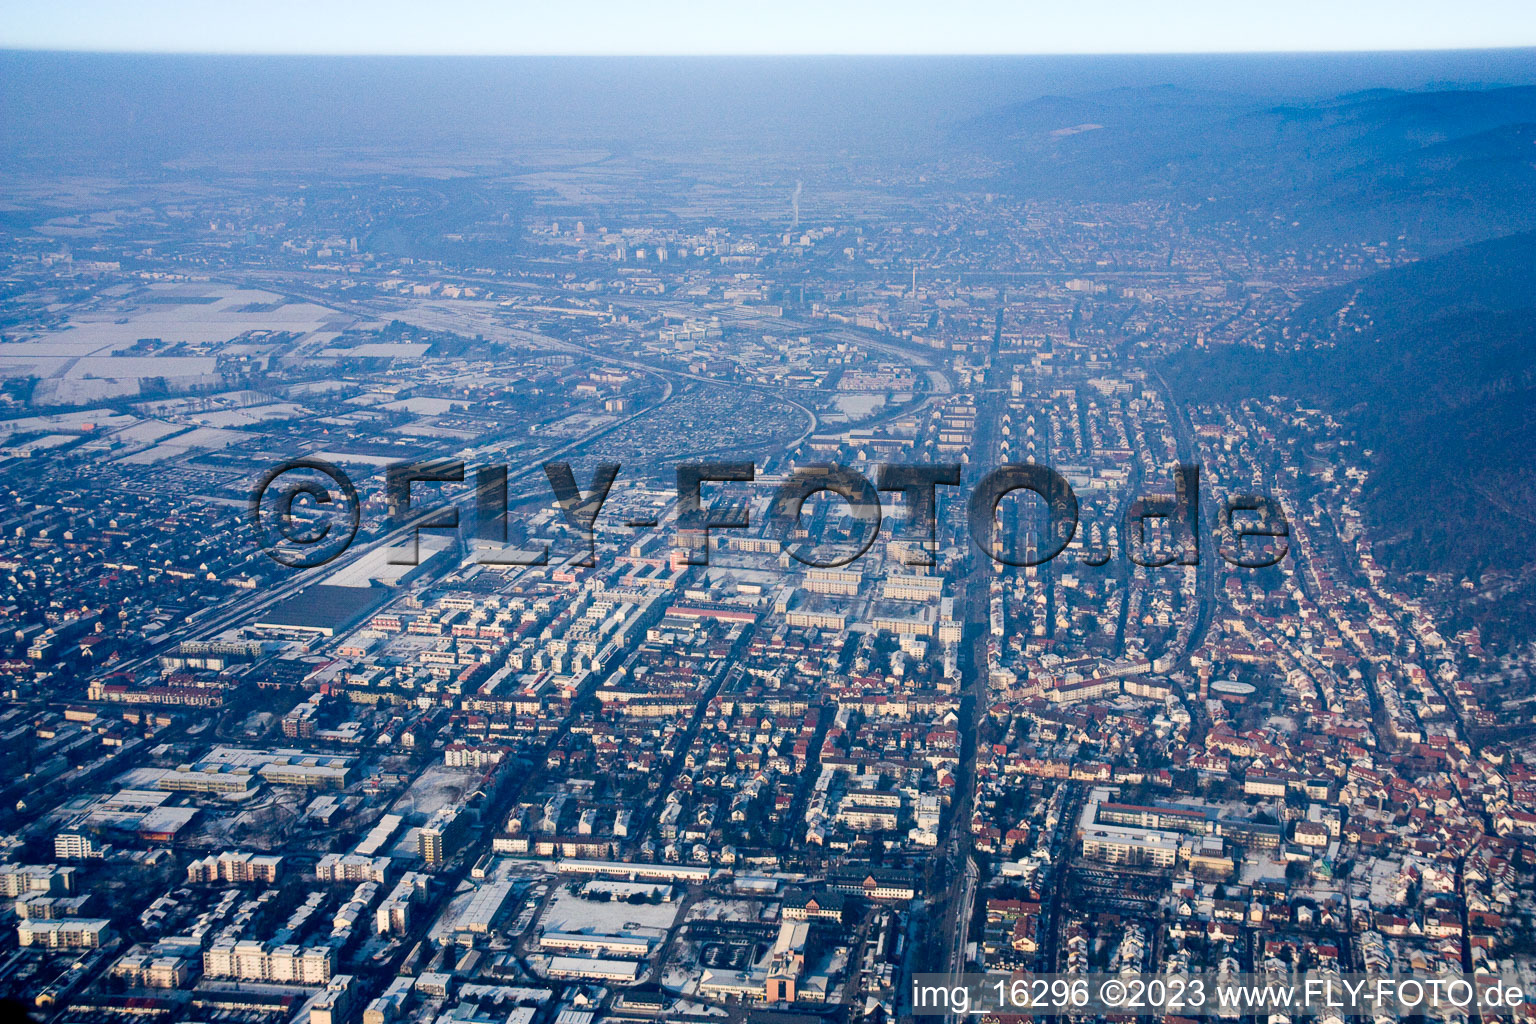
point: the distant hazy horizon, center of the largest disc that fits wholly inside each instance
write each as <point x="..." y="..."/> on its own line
<point x="148" y="110"/>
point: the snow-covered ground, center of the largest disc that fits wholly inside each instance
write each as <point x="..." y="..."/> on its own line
<point x="438" y="786"/>
<point x="570" y="913"/>
<point x="713" y="909"/>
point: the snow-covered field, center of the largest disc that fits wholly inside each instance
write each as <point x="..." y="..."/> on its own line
<point x="437" y="787"/>
<point x="569" y="913"/>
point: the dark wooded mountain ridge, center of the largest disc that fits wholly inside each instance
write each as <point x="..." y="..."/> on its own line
<point x="1433" y="368"/>
<point x="1442" y="167"/>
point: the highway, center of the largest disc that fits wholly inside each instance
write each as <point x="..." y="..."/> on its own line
<point x="1205" y="572"/>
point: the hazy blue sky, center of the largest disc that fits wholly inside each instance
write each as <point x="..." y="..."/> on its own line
<point x="768" y="26"/>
